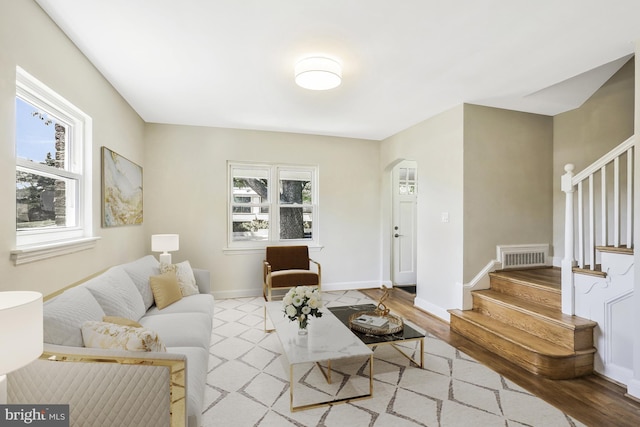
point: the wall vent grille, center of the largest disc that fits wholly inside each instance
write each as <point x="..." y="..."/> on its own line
<point x="520" y="256"/>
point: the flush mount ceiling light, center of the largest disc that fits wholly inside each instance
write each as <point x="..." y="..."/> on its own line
<point x="318" y="73"/>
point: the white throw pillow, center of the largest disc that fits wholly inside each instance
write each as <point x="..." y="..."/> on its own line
<point x="117" y="294"/>
<point x="64" y="315"/>
<point x="184" y="273"/>
<point x="119" y="337"/>
<point x="140" y="270"/>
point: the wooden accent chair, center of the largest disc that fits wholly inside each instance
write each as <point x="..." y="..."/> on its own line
<point x="287" y="267"/>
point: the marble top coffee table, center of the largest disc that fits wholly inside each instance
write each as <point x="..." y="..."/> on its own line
<point x="328" y="340"/>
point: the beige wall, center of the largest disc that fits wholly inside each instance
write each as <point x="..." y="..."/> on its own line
<point x="437" y="146"/>
<point x="186" y="193"/>
<point x="507" y="182"/>
<point x="583" y="135"/>
<point x="476" y="164"/>
<point x="28" y="38"/>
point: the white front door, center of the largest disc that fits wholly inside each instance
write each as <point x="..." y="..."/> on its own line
<point x="405" y="192"/>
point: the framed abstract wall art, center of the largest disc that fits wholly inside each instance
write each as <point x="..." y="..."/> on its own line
<point x="121" y="190"/>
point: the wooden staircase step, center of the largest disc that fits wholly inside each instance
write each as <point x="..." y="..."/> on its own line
<point x="597" y="271"/>
<point x="550" y="277"/>
<point x="622" y="249"/>
<point x="521" y="284"/>
<point x="537" y="319"/>
<point x="531" y="352"/>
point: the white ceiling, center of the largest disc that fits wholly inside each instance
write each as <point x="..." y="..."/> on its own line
<point x="229" y="63"/>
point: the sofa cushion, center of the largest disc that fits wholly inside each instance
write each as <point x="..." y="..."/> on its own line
<point x="118" y="337"/>
<point x="201" y="303"/>
<point x="117" y="294"/>
<point x="64" y="315"/>
<point x="140" y="270"/>
<point x="121" y="321"/>
<point x="184" y="273"/>
<point x="165" y="289"/>
<point x="181" y="329"/>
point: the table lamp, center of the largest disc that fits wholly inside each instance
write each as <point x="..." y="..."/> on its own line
<point x="165" y="243"/>
<point x="21" y="339"/>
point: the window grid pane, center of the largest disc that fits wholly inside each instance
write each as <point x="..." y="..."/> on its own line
<point x="40" y="137"/>
<point x="44" y="201"/>
<point x="250" y="207"/>
<point x="256" y="217"/>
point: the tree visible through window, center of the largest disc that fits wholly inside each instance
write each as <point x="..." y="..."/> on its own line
<point x="53" y="152"/>
<point x="40" y="192"/>
<point x="257" y="216"/>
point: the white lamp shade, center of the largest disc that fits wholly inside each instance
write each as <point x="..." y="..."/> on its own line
<point x="165" y="242"/>
<point x="21" y="339"/>
<point x="318" y="73"/>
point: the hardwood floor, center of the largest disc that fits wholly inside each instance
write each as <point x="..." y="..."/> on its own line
<point x="592" y="399"/>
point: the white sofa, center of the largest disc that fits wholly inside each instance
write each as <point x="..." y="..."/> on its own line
<point x="113" y="387"/>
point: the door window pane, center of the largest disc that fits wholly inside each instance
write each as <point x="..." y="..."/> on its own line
<point x="407" y="181"/>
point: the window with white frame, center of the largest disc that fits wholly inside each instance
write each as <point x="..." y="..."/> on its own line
<point x="53" y="166"/>
<point x="271" y="204"/>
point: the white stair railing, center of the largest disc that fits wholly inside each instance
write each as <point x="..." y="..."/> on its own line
<point x="607" y="224"/>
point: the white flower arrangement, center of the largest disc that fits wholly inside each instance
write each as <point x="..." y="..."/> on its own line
<point x="302" y="302"/>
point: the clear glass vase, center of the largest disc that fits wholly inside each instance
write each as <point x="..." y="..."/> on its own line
<point x="302" y="326"/>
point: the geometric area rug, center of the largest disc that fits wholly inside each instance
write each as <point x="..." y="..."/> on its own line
<point x="248" y="385"/>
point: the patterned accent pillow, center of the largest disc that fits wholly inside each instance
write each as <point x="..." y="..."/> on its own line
<point x="118" y="337"/>
<point x="184" y="273"/>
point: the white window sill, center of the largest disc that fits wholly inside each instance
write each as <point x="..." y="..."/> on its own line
<point x="260" y="250"/>
<point x="42" y="251"/>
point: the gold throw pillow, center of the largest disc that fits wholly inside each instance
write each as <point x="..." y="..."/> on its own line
<point x="165" y="288"/>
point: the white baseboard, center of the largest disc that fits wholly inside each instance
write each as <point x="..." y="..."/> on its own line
<point x="337" y="286"/>
<point x="430" y="308"/>
<point x="618" y="374"/>
<point x="481" y="281"/>
<point x="239" y="293"/>
<point x="633" y="388"/>
<point x="348" y="286"/>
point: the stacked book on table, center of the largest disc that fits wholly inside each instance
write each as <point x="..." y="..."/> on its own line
<point x="376" y="323"/>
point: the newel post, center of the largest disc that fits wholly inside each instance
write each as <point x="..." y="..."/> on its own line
<point x="568" y="304"/>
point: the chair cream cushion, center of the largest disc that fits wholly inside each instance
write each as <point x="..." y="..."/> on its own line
<point x="112" y="336"/>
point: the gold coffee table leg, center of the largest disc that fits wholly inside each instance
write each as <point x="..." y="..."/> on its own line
<point x="329" y="402"/>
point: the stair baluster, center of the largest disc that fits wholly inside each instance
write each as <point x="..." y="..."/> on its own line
<point x="586" y="243"/>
